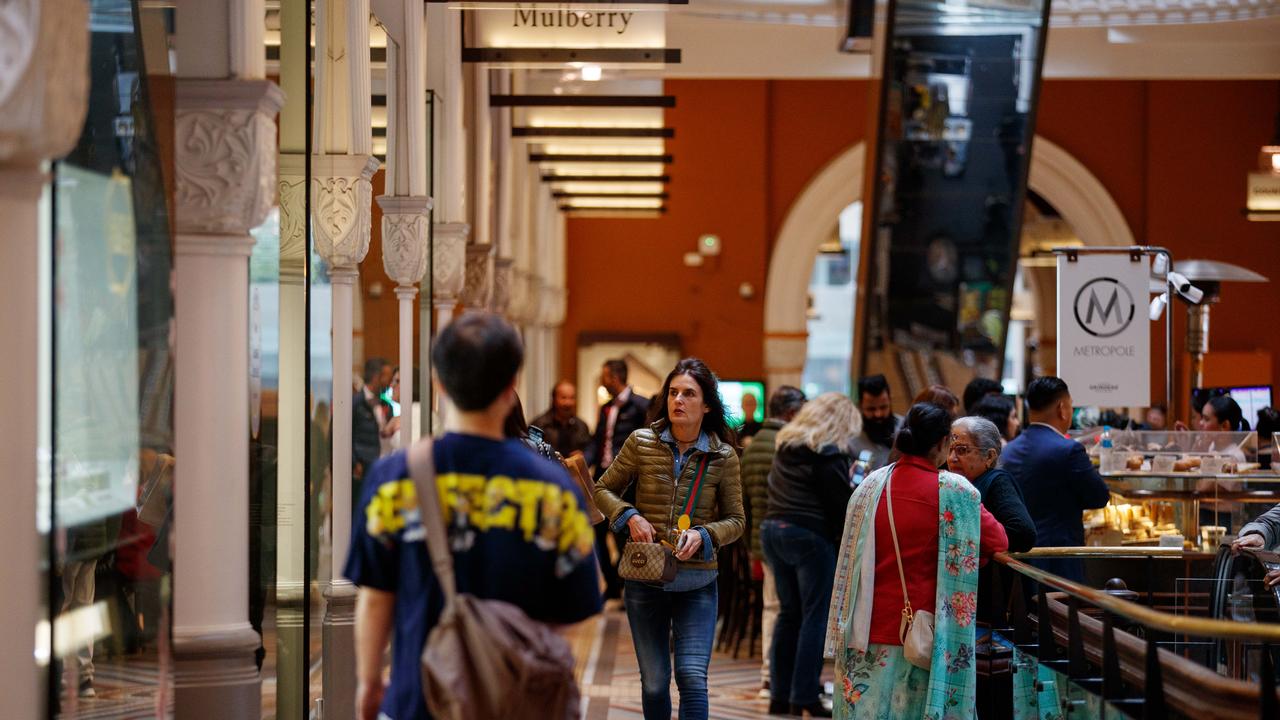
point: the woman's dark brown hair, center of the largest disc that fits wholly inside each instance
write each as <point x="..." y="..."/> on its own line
<point x="713" y="423"/>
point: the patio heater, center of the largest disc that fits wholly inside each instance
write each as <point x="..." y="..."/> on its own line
<point x="1208" y="276"/>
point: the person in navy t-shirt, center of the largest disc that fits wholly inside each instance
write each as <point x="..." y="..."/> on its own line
<point x="516" y="524"/>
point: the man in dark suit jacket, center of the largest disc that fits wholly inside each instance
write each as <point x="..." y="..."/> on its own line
<point x="622" y="415"/>
<point x="1057" y="479"/>
<point x="368" y="416"/>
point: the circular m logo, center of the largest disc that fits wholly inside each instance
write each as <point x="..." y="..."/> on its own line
<point x="1104" y="308"/>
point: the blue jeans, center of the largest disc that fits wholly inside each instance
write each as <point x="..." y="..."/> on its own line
<point x="804" y="567"/>
<point x="655" y="616"/>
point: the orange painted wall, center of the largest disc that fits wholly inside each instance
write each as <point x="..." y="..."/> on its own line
<point x="1172" y="154"/>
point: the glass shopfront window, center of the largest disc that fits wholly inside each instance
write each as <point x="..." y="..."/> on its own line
<point x="106" y="512"/>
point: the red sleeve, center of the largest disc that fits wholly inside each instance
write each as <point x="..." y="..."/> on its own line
<point x="993" y="540"/>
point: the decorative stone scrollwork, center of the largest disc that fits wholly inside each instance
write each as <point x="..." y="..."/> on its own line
<point x="404" y="237"/>
<point x="44" y="78"/>
<point x="553" y="306"/>
<point x="501" y="299"/>
<point x="226" y="154"/>
<point x="292" y="188"/>
<point x="450" y="261"/>
<point x="475" y="294"/>
<point x="341" y="196"/>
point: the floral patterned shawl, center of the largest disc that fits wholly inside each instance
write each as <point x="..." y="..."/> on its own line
<point x="952" y="678"/>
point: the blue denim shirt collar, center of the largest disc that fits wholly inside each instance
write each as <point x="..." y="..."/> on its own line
<point x="703" y="443"/>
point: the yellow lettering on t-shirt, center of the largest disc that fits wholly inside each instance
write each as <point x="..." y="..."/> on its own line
<point x="528" y="496"/>
<point x="500" y="513"/>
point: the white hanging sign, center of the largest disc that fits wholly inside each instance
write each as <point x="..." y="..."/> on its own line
<point x="1104" y="335"/>
<point x="526" y="25"/>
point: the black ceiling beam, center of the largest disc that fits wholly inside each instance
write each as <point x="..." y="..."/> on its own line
<point x="604" y="101"/>
<point x="644" y="196"/>
<point x="377" y="54"/>
<point x="665" y="56"/>
<point x="570" y="208"/>
<point x="592" y="132"/>
<point x="549" y="177"/>
<point x="588" y="158"/>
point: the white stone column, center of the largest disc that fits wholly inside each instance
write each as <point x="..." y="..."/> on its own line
<point x="405" y="207"/>
<point x="44" y="91"/>
<point x="225" y="185"/>
<point x="449" y="236"/>
<point x="341" y="195"/>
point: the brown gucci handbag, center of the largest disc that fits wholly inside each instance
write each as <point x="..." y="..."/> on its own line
<point x="655" y="563"/>
<point x="647" y="562"/>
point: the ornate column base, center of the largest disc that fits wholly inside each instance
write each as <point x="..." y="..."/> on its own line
<point x="215" y="674"/>
<point x="338" y="636"/>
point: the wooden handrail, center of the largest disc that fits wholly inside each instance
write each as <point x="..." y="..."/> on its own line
<point x="1099" y="551"/>
<point x="1154" y="619"/>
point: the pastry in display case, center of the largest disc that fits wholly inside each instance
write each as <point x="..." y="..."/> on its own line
<point x="1161" y="480"/>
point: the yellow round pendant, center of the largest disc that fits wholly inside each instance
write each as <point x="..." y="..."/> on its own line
<point x="682" y="523"/>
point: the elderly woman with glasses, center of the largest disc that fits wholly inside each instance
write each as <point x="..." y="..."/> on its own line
<point x="974" y="452"/>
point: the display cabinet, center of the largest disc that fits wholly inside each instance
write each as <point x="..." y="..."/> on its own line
<point x="1178" y="488"/>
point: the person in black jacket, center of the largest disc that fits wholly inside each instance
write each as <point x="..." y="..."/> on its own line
<point x="622" y="415"/>
<point x="368" y="416"/>
<point x="809" y="490"/>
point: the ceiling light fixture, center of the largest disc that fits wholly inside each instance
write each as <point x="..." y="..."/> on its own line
<point x="592" y="73"/>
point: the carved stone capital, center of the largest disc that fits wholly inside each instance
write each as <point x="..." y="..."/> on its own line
<point x="404" y="237"/>
<point x="292" y="189"/>
<point x="44" y="78"/>
<point x="524" y="298"/>
<point x="226" y="154"/>
<point x="476" y="293"/>
<point x="502" y="279"/>
<point x="341" y="198"/>
<point x="553" y="305"/>
<point x="448" y="275"/>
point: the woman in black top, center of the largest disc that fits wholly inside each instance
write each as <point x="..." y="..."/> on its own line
<point x="975" y="449"/>
<point x="808" y="492"/>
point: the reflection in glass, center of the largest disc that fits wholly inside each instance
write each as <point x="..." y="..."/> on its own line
<point x="831" y="302"/>
<point x="112" y="432"/>
<point x="956" y="123"/>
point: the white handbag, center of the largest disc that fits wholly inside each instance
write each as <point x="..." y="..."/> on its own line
<point x="916" y="629"/>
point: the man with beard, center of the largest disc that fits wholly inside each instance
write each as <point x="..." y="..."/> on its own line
<point x="879" y="423"/>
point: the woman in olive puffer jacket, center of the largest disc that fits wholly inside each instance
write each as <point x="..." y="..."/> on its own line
<point x="664" y="460"/>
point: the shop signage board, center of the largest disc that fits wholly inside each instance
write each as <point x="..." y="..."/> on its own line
<point x="549" y="35"/>
<point x="1104" y="336"/>
<point x="1264" y="192"/>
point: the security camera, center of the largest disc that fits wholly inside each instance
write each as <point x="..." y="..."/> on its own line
<point x="1157" y="306"/>
<point x="1189" y="292"/>
<point x="1161" y="265"/>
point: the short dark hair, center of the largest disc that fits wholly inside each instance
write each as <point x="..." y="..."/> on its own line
<point x="1268" y="422"/>
<point x="476" y="357"/>
<point x="995" y="408"/>
<point x="556" y="387"/>
<point x="926" y="424"/>
<point x="617" y="368"/>
<point x="785" y="400"/>
<point x="1043" y="392"/>
<point x="514" y="425"/>
<point x="872" y="385"/>
<point x="373" y="368"/>
<point x="714" y="422"/>
<point x="977" y="389"/>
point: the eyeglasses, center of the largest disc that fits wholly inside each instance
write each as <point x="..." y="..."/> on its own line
<point x="961" y="450"/>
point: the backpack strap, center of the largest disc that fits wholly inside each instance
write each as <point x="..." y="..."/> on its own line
<point x="422" y="469"/>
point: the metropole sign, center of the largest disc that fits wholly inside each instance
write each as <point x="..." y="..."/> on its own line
<point x="1104" y="336"/>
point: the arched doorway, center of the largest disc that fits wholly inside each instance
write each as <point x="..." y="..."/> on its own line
<point x="1061" y="180"/>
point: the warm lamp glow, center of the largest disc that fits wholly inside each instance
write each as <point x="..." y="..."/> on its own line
<point x="592" y="73"/>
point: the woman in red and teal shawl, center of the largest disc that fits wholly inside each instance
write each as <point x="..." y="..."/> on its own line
<point x="942" y="535"/>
